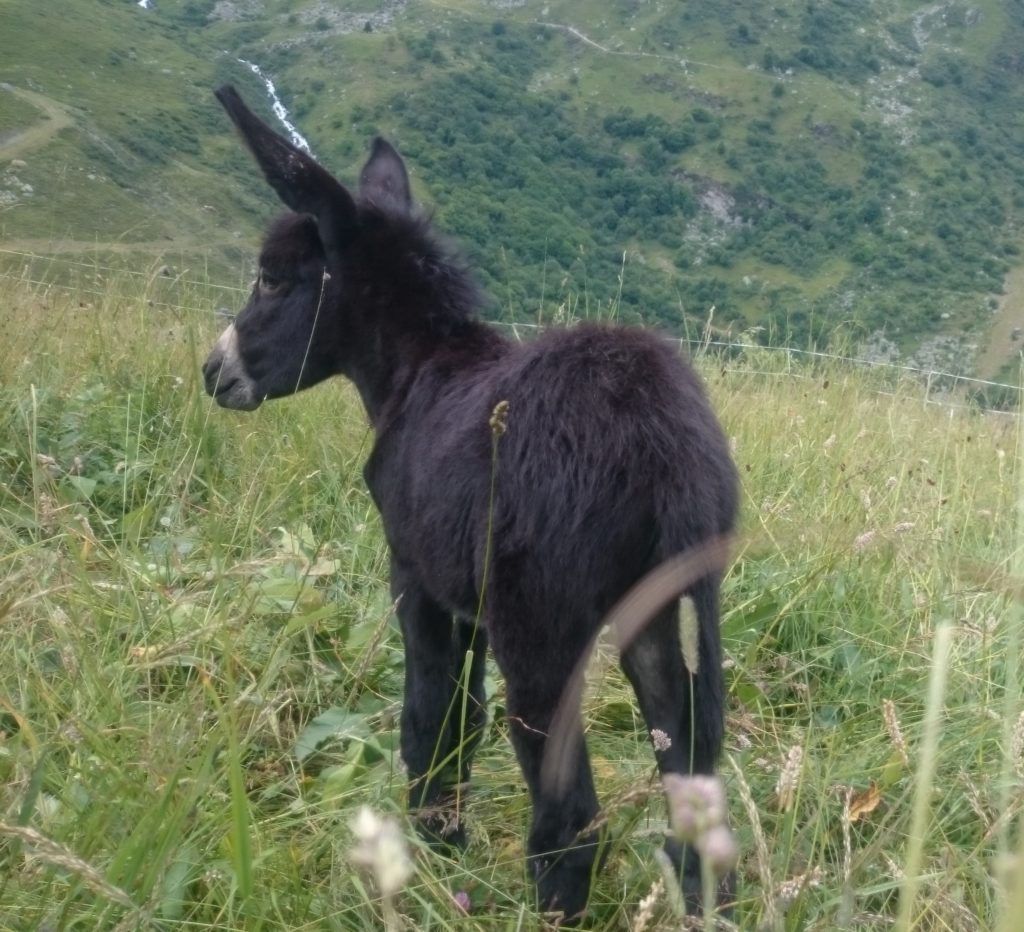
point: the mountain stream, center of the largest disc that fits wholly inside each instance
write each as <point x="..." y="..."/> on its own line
<point x="280" y="111"/>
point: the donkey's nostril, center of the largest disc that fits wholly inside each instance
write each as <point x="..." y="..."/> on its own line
<point x="212" y="370"/>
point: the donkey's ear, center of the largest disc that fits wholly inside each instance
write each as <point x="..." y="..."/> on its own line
<point x="299" y="181"/>
<point x="384" y="179"/>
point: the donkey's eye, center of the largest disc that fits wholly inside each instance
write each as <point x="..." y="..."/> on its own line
<point x="270" y="283"/>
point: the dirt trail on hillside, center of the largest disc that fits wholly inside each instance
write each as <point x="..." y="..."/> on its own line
<point x="675" y="60"/>
<point x="1001" y="346"/>
<point x="56" y="116"/>
<point x="42" y="248"/>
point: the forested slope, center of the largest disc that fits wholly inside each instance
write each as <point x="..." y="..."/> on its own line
<point x="812" y="170"/>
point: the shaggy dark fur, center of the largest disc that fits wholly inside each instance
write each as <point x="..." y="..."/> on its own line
<point x="612" y="462"/>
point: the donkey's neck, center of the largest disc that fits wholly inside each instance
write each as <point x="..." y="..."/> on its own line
<point x="389" y="364"/>
<point x="412" y="305"/>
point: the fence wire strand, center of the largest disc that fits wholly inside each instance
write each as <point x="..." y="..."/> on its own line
<point x="695" y="346"/>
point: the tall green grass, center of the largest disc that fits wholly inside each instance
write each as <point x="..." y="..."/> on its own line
<point x="201" y="677"/>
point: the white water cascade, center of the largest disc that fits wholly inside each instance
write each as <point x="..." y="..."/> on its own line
<point x="297" y="139"/>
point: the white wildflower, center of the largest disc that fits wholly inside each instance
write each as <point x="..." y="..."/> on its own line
<point x="660" y="740"/>
<point x="381" y="848"/>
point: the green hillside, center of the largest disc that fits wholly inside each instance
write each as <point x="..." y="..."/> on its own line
<point x="817" y="170"/>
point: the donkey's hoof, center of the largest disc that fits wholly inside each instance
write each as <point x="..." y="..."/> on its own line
<point x="563" y="883"/>
<point x="442" y="830"/>
<point x="688" y="868"/>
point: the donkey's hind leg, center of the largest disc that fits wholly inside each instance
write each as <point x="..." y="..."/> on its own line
<point x="683" y="709"/>
<point x="687" y="707"/>
<point x="561" y="851"/>
<point x="443" y="712"/>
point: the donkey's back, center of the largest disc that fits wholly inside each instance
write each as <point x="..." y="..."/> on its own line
<point x="609" y="428"/>
<point x="604" y="460"/>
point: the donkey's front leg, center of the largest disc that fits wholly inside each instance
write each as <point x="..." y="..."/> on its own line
<point x="441" y="724"/>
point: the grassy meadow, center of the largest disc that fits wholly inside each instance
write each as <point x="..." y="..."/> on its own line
<point x="201" y="676"/>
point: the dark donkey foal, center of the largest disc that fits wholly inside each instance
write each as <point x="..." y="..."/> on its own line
<point x="612" y="462"/>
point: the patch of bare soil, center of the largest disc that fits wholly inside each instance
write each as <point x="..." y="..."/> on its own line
<point x="16" y="145"/>
<point x="1006" y="336"/>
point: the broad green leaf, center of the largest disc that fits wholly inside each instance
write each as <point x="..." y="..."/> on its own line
<point x="334" y="723"/>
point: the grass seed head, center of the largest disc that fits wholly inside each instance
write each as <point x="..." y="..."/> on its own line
<point x="892" y="725"/>
<point x="645" y="912"/>
<point x="789" y="778"/>
<point x="499" y="419"/>
<point x="790" y="889"/>
<point x="1017" y="746"/>
<point x="863" y="541"/>
<point x="689" y="634"/>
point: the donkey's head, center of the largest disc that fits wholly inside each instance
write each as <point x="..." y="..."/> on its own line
<point x="286" y="338"/>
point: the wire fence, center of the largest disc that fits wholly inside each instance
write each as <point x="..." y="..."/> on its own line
<point x="940" y="387"/>
<point x="115" y="270"/>
<point x="950" y="389"/>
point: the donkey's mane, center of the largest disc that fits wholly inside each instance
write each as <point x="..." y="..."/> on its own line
<point x="412" y="276"/>
<point x="413" y="273"/>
